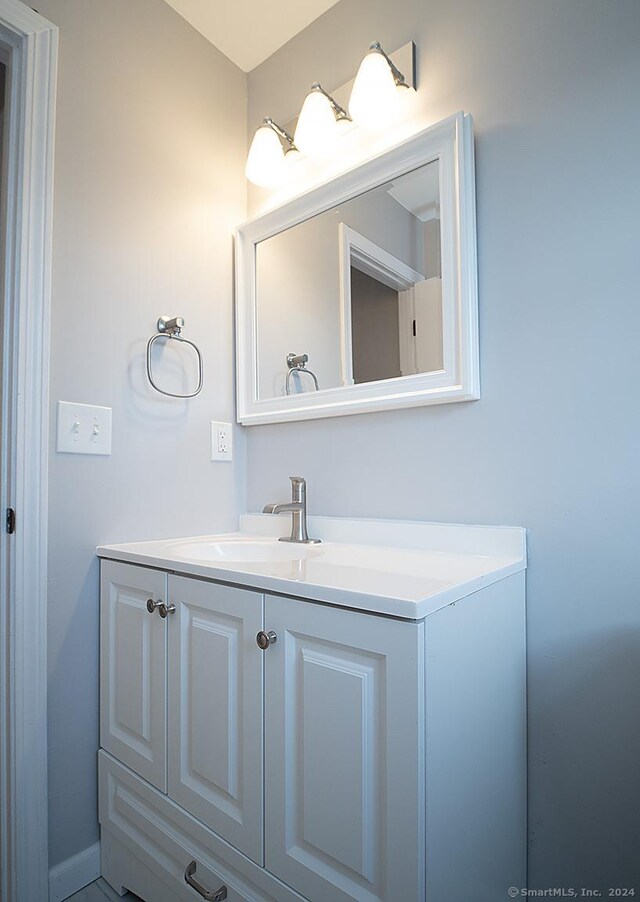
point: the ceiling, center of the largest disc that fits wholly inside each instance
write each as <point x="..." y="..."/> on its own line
<point x="249" y="31"/>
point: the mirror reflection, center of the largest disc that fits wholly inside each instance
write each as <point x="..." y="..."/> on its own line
<point x="353" y="295"/>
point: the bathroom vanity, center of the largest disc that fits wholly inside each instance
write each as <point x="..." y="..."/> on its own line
<point x="331" y="722"/>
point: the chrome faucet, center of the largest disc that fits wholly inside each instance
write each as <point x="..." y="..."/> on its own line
<point x="297" y="507"/>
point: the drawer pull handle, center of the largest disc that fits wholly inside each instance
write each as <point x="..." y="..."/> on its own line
<point x="163" y="610"/>
<point x="152" y="605"/>
<point x="216" y="895"/>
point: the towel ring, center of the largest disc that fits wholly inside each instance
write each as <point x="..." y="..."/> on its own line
<point x="170" y="327"/>
<point x="297" y="363"/>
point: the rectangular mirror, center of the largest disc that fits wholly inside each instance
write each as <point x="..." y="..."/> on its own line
<point x="361" y="295"/>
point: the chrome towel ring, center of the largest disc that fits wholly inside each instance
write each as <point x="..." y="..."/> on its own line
<point x="170" y="327"/>
<point x="297" y="363"/>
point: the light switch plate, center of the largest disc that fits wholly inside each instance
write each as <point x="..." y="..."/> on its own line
<point x="83" y="428"/>
<point x="221" y="441"/>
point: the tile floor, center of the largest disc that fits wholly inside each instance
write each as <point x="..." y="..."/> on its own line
<point x="100" y="891"/>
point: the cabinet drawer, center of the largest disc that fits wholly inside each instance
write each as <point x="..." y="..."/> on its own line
<point x="165" y="840"/>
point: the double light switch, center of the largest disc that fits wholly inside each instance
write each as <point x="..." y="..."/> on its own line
<point x="83" y="428"/>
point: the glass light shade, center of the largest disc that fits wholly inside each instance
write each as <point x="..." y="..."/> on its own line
<point x="265" y="162"/>
<point x="374" y="98"/>
<point x="291" y="157"/>
<point x="316" y="133"/>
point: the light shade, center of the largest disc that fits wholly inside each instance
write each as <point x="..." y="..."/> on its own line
<point x="265" y="162"/>
<point x="291" y="157"/>
<point x="375" y="98"/>
<point x="316" y="133"/>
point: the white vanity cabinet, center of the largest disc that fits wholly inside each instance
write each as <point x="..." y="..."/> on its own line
<point x="133" y="670"/>
<point x="214" y="709"/>
<point x="182" y="694"/>
<point x="344" y="811"/>
<point x="182" y="707"/>
<point x="354" y="756"/>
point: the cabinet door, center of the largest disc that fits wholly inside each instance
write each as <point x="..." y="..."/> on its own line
<point x="133" y="669"/>
<point x="215" y="709"/>
<point x="344" y="753"/>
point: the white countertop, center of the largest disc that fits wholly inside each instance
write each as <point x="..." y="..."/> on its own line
<point x="401" y="568"/>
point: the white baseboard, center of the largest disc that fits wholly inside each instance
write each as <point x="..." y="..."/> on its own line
<point x="71" y="875"/>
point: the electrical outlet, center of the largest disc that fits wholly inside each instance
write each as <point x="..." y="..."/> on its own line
<point x="83" y="428"/>
<point x="221" y="441"/>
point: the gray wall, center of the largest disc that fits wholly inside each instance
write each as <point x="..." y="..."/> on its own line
<point x="554" y="443"/>
<point x="298" y="285"/>
<point x="149" y="185"/>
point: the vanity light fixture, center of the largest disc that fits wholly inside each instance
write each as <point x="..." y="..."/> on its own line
<point x="375" y="95"/>
<point x="268" y="155"/>
<point x="376" y="100"/>
<point x="319" y="124"/>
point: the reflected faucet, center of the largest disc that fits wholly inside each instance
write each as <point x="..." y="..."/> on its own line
<point x="297" y="507"/>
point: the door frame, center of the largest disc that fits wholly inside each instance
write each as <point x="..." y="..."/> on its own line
<point x="30" y="45"/>
<point x="357" y="251"/>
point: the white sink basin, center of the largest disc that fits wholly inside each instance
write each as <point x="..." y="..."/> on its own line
<point x="403" y="569"/>
<point x="242" y="551"/>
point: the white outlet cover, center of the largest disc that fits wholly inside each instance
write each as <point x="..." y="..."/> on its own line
<point x="226" y="429"/>
<point x="83" y="428"/>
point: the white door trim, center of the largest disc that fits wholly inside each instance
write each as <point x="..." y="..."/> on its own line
<point x="32" y="45"/>
<point x="357" y="251"/>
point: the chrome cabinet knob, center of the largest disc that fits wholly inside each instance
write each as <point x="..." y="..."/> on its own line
<point x="152" y="605"/>
<point x="163" y="609"/>
<point x="264" y="640"/>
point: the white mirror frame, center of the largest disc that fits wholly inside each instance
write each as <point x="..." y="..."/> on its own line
<point x="450" y="142"/>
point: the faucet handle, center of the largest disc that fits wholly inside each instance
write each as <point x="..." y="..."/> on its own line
<point x="298" y="488"/>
